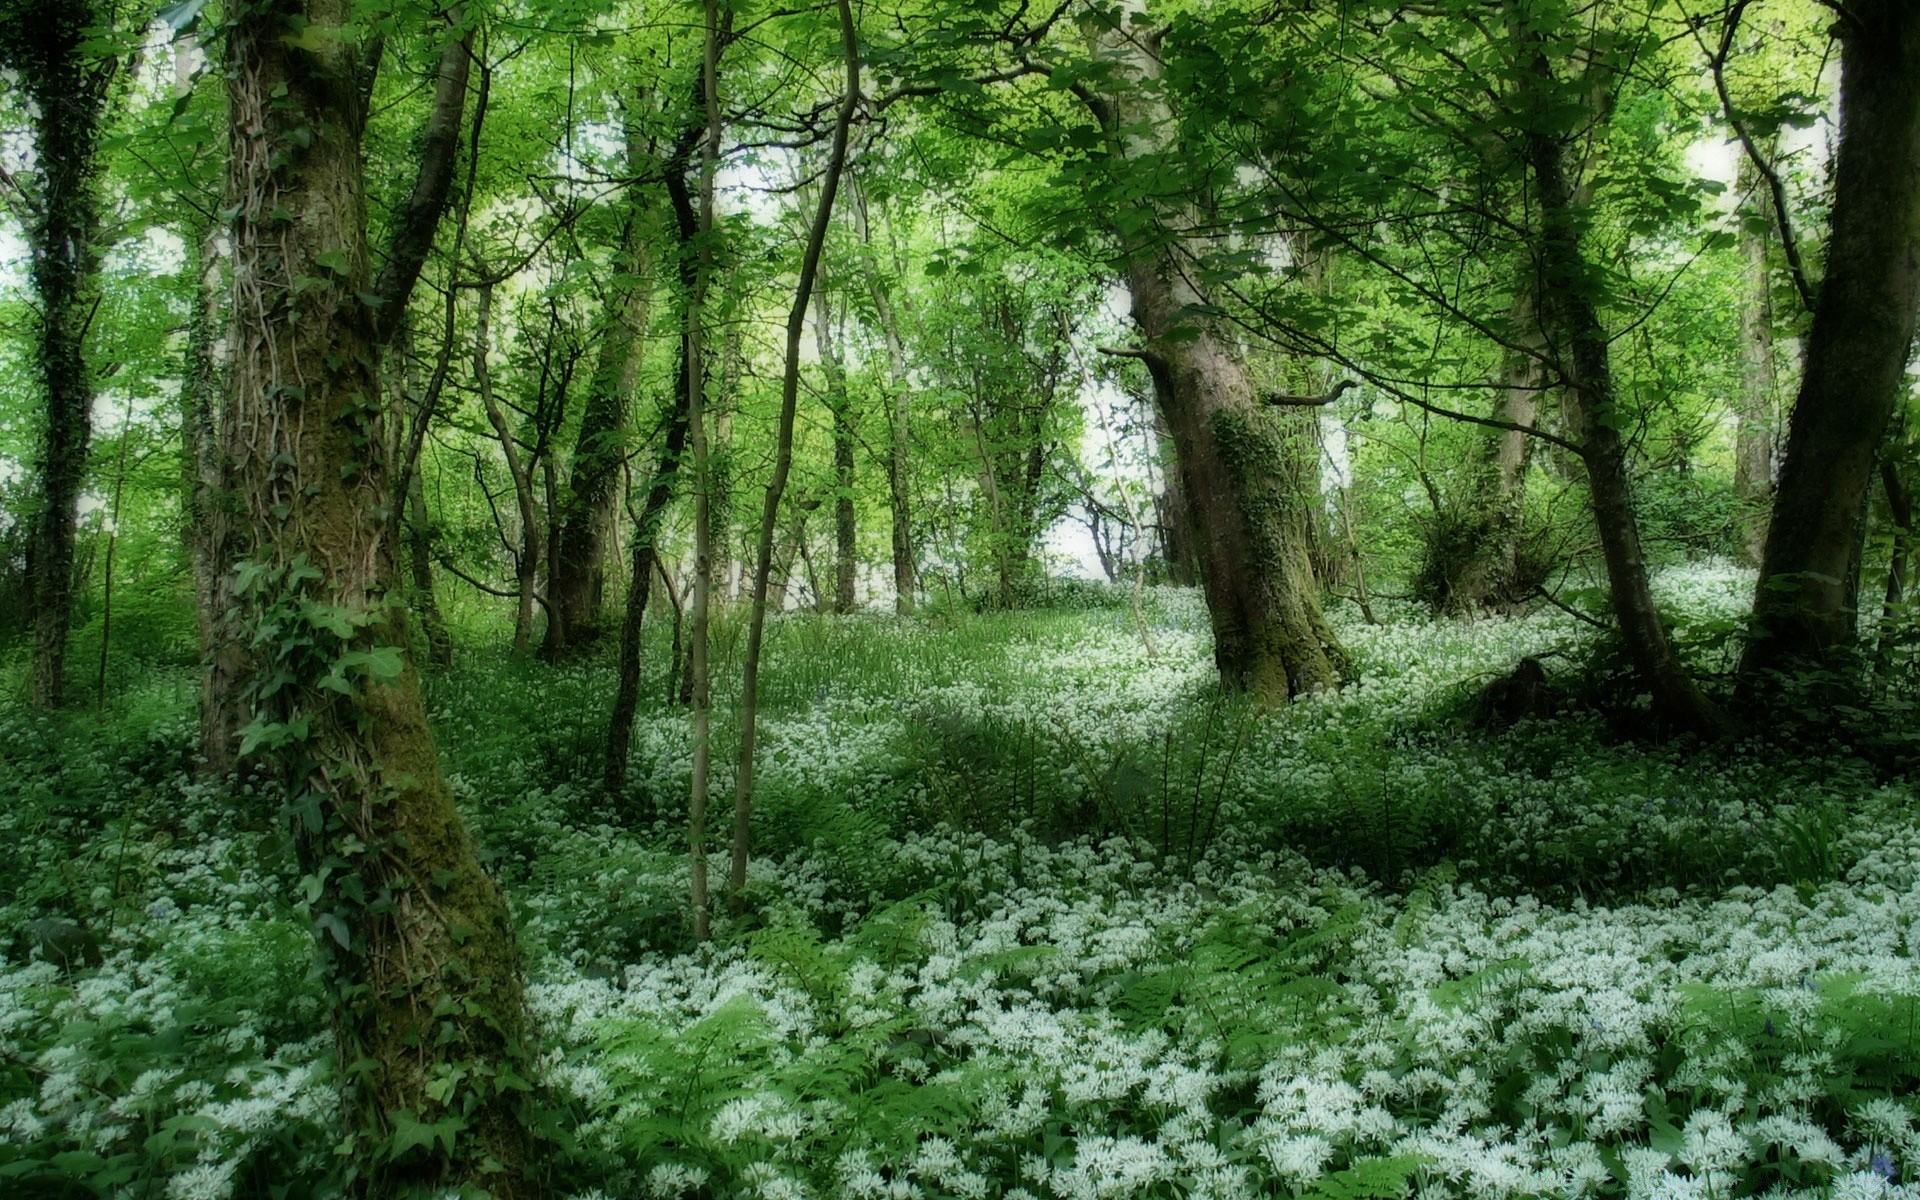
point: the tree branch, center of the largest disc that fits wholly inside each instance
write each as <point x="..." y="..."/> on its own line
<point x="1789" y="244"/>
<point x="413" y="233"/>
<point x="1282" y="400"/>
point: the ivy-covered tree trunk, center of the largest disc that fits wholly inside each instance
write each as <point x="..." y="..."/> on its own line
<point x="44" y="40"/>
<point x="417" y="946"/>
<point x="1857" y="350"/>
<point x="576" y="578"/>
<point x="1270" y="636"/>
<point x="1571" y="323"/>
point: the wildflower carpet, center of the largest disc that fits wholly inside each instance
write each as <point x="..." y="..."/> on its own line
<point x="1034" y="914"/>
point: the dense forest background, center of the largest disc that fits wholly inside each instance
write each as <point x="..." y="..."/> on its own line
<point x="1096" y="598"/>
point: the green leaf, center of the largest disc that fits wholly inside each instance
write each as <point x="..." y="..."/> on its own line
<point x="335" y="261"/>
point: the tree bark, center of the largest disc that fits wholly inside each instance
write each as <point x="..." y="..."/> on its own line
<point x="1857" y="350"/>
<point x="417" y="946"/>
<point x="433" y="182"/>
<point x="1485" y="537"/>
<point x="666" y="472"/>
<point x="783" y="457"/>
<point x="46" y="44"/>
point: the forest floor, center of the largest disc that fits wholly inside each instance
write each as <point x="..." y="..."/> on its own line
<point x="1034" y="913"/>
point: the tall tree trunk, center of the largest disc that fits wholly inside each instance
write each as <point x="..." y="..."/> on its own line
<point x="645" y="553"/>
<point x="210" y="521"/>
<point x="1175" y="519"/>
<point x="720" y="491"/>
<point x="1270" y="636"/>
<point x="699" y="670"/>
<point x="666" y="472"/>
<point x="419" y="529"/>
<point x="1572" y="326"/>
<point x="417" y="946"/>
<point x="225" y="706"/>
<point x="576" y="582"/>
<point x="783" y="457"/>
<point x="899" y="394"/>
<point x="1857" y="349"/>
<point x="45" y="42"/>
<point x="1753" y="410"/>
<point x="846" y="561"/>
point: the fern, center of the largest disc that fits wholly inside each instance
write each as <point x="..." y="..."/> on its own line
<point x="1372" y="1179"/>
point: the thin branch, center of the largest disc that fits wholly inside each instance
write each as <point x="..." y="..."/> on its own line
<point x="1789" y="243"/>
<point x="1282" y="400"/>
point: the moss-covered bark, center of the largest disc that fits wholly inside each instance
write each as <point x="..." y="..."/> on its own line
<point x="1248" y="522"/>
<point x="44" y="40"/>
<point x="416" y="942"/>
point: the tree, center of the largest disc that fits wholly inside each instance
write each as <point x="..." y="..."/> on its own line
<point x="1856" y="357"/>
<point x="416" y="943"/>
<point x="1270" y="637"/>
<point x="46" y="42"/>
<point x="576" y="582"/>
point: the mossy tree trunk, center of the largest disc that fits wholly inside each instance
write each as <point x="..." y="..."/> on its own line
<point x="1472" y="556"/>
<point x="1248" y="520"/>
<point x="1857" y="351"/>
<point x="45" y="41"/>
<point x="416" y="942"/>
<point x="576" y="577"/>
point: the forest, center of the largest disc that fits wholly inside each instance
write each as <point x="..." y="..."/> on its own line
<point x="943" y="599"/>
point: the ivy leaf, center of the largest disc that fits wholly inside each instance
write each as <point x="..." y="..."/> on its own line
<point x="335" y="261"/>
<point x="409" y="1132"/>
<point x="332" y="923"/>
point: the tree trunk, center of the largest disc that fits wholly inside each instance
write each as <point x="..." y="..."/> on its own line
<point x="646" y="552"/>
<point x="899" y="414"/>
<point x="666" y="473"/>
<point x="1270" y="636"/>
<point x="846" y="560"/>
<point x="1572" y="327"/>
<point x="1857" y="348"/>
<point x="1753" y="411"/>
<point x="783" y="458"/>
<point x="576" y="577"/>
<point x="419" y="529"/>
<point x="68" y="90"/>
<point x="1175" y="519"/>
<point x="417" y="946"/>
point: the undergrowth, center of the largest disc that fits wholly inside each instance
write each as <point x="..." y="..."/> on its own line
<point x="1033" y="913"/>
